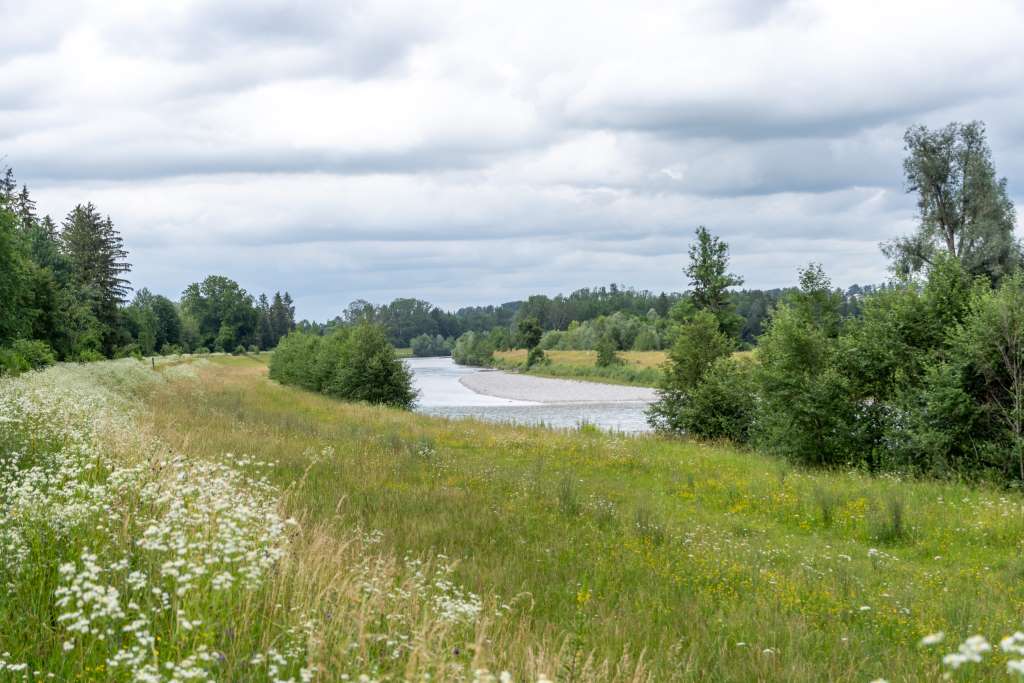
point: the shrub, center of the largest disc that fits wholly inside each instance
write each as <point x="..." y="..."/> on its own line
<point x="606" y="352"/>
<point x="722" y="405"/>
<point x="90" y="356"/>
<point x="355" y="364"/>
<point x="36" y="353"/>
<point x="425" y="346"/>
<point x="368" y="370"/>
<point x="202" y="351"/>
<point x="536" y="357"/>
<point x="169" y="349"/>
<point x="698" y="345"/>
<point x="253" y="348"/>
<point x="646" y="340"/>
<point x="473" y="349"/>
<point x="12" y="363"/>
<point x="239" y="351"/>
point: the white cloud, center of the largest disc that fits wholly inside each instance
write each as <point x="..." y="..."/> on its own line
<point x="478" y="152"/>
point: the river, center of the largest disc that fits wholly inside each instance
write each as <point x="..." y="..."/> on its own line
<point x="441" y="393"/>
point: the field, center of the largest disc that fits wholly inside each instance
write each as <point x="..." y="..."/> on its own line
<point x="639" y="368"/>
<point x="424" y="546"/>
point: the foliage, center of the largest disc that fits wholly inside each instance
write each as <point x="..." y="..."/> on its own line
<point x="473" y="348"/>
<point x="528" y="333"/>
<point x="221" y="311"/>
<point x="356" y="364"/>
<point x="424" y="345"/>
<point x="535" y="357"/>
<point x="368" y="370"/>
<point x="965" y="210"/>
<point x="710" y="280"/>
<point x="722" y="404"/>
<point x="698" y="345"/>
<point x="606" y="352"/>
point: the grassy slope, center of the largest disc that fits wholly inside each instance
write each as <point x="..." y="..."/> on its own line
<point x="709" y="563"/>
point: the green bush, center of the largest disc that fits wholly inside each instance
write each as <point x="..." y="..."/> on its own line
<point x="202" y="351"/>
<point x="239" y="351"/>
<point x="12" y="362"/>
<point x="473" y="349"/>
<point x="90" y="356"/>
<point x="253" y="348"/>
<point x="355" y="364"/>
<point x="367" y="369"/>
<point x="536" y="357"/>
<point x="38" y="354"/>
<point x="699" y="343"/>
<point x="606" y="352"/>
<point x="722" y="405"/>
<point x="425" y="346"/>
<point x="169" y="349"/>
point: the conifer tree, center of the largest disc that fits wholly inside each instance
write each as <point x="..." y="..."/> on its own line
<point x="96" y="254"/>
<point x="25" y="207"/>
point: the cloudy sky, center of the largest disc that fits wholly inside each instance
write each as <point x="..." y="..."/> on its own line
<point x="478" y="152"/>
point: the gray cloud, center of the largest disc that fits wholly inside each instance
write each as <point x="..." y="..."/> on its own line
<point x="477" y="152"/>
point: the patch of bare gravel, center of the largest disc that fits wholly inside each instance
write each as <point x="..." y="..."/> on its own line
<point x="548" y="390"/>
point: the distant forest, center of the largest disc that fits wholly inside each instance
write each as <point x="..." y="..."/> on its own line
<point x="407" y="318"/>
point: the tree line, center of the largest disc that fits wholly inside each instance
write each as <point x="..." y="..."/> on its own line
<point x="926" y="377"/>
<point x="64" y="295"/>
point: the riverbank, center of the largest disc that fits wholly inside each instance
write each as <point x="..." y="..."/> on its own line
<point x="546" y="390"/>
<point x="638" y="368"/>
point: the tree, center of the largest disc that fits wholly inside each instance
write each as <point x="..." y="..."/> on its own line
<point x="991" y="342"/>
<point x="13" y="322"/>
<point x="964" y="208"/>
<point x="368" y="370"/>
<point x="25" y="207"/>
<point x="95" y="255"/>
<point x="529" y="332"/>
<point x="710" y="280"/>
<point x="223" y="312"/>
<point x="698" y="345"/>
<point x="606" y="352"/>
<point x="8" y="189"/>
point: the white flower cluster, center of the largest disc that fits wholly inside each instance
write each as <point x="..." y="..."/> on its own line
<point x="972" y="650"/>
<point x="163" y="532"/>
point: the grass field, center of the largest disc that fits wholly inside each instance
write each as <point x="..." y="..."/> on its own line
<point x="629" y="558"/>
<point x="639" y="368"/>
<point x="428" y="547"/>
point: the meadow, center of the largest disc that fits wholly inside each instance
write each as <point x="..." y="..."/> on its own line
<point x="217" y="525"/>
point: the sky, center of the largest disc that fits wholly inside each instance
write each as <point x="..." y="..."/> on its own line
<point x="479" y="152"/>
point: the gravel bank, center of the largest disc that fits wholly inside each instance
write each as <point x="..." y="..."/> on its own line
<point x="547" y="390"/>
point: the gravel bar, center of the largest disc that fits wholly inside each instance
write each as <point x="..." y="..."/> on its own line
<point x="548" y="390"/>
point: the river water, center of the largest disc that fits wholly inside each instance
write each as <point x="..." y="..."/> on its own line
<point x="441" y="393"/>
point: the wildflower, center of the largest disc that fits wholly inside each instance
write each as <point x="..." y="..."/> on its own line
<point x="932" y="639"/>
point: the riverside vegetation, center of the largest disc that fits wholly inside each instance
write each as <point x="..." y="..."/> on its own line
<point x="198" y="521"/>
<point x="192" y="519"/>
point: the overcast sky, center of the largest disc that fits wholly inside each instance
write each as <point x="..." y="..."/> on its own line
<point x="478" y="152"/>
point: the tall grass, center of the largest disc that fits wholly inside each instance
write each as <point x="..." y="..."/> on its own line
<point x="123" y="559"/>
<point x="641" y="557"/>
<point x="199" y="522"/>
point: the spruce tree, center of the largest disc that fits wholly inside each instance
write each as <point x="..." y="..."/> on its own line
<point x="8" y="189"/>
<point x="96" y="254"/>
<point x="25" y="207"/>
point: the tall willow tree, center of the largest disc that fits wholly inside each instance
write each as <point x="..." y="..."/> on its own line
<point x="964" y="208"/>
